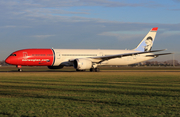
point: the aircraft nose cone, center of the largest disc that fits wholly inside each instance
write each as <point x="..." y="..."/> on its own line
<point x="8" y="60"/>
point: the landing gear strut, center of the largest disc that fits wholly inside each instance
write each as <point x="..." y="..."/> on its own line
<point x="94" y="70"/>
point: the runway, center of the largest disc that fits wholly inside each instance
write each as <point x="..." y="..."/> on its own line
<point x="102" y="69"/>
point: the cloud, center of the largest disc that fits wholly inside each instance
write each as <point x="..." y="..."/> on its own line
<point x="170" y="34"/>
<point x="71" y="3"/>
<point x="121" y="36"/>
<point x="14" y="26"/>
<point x="9" y="26"/>
<point x="176" y="0"/>
<point x="42" y="36"/>
<point x="56" y="10"/>
<point x="63" y="3"/>
<point x="175" y="9"/>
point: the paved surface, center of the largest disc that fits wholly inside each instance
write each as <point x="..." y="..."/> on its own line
<point x="103" y="71"/>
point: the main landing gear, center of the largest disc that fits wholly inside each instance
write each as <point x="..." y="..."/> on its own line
<point x="94" y="70"/>
<point x="91" y="70"/>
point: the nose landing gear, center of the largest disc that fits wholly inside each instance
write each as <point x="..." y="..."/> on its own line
<point x="19" y="68"/>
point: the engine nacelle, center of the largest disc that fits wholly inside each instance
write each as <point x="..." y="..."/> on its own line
<point x="55" y="67"/>
<point x="82" y="64"/>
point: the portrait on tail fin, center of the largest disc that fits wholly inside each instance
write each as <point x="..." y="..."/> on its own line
<point x="149" y="43"/>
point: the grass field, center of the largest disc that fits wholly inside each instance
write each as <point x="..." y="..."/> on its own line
<point x="90" y="93"/>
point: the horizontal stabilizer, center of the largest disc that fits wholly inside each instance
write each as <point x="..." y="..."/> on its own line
<point x="156" y="50"/>
<point x="156" y="55"/>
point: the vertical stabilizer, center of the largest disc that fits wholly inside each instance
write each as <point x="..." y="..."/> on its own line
<point x="147" y="43"/>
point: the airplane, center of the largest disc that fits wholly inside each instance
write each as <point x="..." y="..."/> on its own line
<point x="83" y="59"/>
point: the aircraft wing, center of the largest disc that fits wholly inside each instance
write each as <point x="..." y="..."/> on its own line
<point x="103" y="58"/>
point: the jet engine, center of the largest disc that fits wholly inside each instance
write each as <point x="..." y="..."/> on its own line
<point x="55" y="67"/>
<point x="82" y="64"/>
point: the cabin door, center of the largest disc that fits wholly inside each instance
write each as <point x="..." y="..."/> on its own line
<point x="58" y="55"/>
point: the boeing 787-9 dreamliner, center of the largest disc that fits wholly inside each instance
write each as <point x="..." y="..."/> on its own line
<point x="83" y="59"/>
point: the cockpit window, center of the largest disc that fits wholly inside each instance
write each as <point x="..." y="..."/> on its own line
<point x="13" y="55"/>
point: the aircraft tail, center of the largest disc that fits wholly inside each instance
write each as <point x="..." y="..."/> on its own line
<point x="146" y="44"/>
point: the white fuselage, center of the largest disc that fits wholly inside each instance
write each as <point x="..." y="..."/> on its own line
<point x="63" y="56"/>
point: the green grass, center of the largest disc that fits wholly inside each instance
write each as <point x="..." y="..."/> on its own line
<point x="90" y="94"/>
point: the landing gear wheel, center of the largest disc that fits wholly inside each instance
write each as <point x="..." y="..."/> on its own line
<point x="97" y="69"/>
<point x="94" y="70"/>
<point x="19" y="70"/>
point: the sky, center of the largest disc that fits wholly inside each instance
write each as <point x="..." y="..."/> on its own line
<point x="88" y="24"/>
